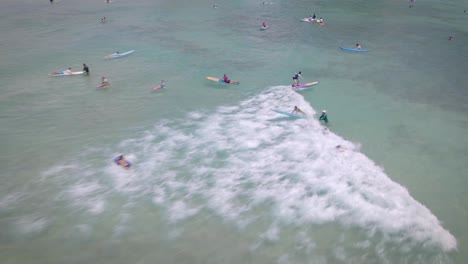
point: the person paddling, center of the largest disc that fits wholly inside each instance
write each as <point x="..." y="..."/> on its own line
<point x="296" y="110"/>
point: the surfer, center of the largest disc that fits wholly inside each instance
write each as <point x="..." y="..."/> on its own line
<point x="85" y="69"/>
<point x="314" y="17"/>
<point x="51" y="1"/>
<point x="296" y="78"/>
<point x="450" y="38"/>
<point x="215" y="6"/>
<point x="297" y="110"/>
<point x="358" y="46"/>
<point x="264" y="24"/>
<point x="226" y="80"/>
<point x="162" y="85"/>
<point x="121" y="161"/>
<point x="324" y="116"/>
<point x="104" y="82"/>
<point x="103" y="20"/>
<point x="320" y="21"/>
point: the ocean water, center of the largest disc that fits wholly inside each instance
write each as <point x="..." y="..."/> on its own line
<point x="217" y="175"/>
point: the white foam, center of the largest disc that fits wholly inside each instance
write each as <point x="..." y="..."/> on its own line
<point x="244" y="159"/>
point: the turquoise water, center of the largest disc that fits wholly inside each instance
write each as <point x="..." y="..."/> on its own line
<point x="218" y="176"/>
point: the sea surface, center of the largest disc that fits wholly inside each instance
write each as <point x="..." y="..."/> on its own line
<point x="217" y="176"/>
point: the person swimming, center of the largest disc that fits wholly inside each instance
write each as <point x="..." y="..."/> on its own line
<point x="324" y="116"/>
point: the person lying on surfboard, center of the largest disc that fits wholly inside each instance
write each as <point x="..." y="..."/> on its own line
<point x="296" y="110"/>
<point x="67" y="71"/>
<point x="226" y="80"/>
<point x="121" y="161"/>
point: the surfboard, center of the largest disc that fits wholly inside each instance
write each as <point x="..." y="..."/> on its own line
<point x="309" y="20"/>
<point x="67" y="74"/>
<point x="155" y="88"/>
<point x="218" y="80"/>
<point x="304" y="85"/>
<point x="112" y="56"/>
<point x="102" y="86"/>
<point x="353" y="49"/>
<point x="290" y="115"/>
<point x="263" y="28"/>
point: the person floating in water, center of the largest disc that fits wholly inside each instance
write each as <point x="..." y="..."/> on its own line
<point x="121" y="161"/>
<point x="296" y="78"/>
<point x="296" y="110"/>
<point x="85" y="69"/>
<point x="103" y="20"/>
<point x="324" y="116"/>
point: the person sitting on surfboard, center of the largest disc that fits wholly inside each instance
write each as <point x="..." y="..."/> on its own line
<point x="358" y="46"/>
<point x="264" y="24"/>
<point x="162" y="85"/>
<point x="296" y="78"/>
<point x="296" y="110"/>
<point x="104" y="82"/>
<point x="324" y="116"/>
<point x="121" y="161"/>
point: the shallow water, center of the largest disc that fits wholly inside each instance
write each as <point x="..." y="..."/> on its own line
<point x="213" y="163"/>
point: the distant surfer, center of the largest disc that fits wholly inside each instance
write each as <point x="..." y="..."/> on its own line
<point x="264" y="24"/>
<point x="66" y="72"/>
<point x="85" y="69"/>
<point x="296" y="78"/>
<point x="226" y="80"/>
<point x="104" y="82"/>
<point x="314" y="17"/>
<point x="324" y="116"/>
<point x="51" y="1"/>
<point x="450" y="38"/>
<point x="103" y="20"/>
<point x="108" y="1"/>
<point x="161" y="86"/>
<point x="121" y="161"/>
<point x="215" y="6"/>
<point x="296" y="110"/>
<point x="358" y="46"/>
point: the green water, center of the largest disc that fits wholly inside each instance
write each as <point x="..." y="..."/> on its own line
<point x="218" y="177"/>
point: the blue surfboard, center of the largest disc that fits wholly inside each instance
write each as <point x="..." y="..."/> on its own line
<point x="289" y="114"/>
<point x="353" y="49"/>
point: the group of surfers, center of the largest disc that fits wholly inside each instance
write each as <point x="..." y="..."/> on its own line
<point x="320" y="20"/>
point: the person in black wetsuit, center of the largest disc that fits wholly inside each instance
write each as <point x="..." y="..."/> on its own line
<point x="85" y="69"/>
